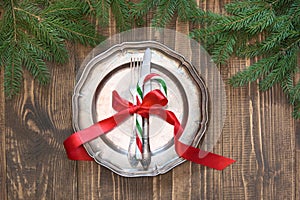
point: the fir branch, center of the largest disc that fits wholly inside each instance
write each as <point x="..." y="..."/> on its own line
<point x="237" y="7"/>
<point x="187" y="10"/>
<point x="66" y="19"/>
<point x="296" y="112"/>
<point x="34" y="64"/>
<point x="73" y="31"/>
<point x="294" y="97"/>
<point x="254" y="72"/>
<point x="101" y="10"/>
<point x="164" y="13"/>
<point x="143" y="7"/>
<point x="120" y="11"/>
<point x="295" y="94"/>
<point x="13" y="71"/>
<point x="64" y="9"/>
<point x="224" y="48"/>
<point x="284" y="66"/>
<point x="32" y="34"/>
<point x="237" y="33"/>
<point x="166" y="10"/>
<point x="251" y="22"/>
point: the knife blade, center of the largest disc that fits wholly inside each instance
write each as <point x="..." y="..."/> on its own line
<point x="145" y="70"/>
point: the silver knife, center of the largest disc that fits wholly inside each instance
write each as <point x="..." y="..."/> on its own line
<point x="145" y="70"/>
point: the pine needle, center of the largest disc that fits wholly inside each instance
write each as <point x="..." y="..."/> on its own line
<point x="33" y="32"/>
<point x="166" y="10"/>
<point x="120" y="9"/>
<point x="239" y="33"/>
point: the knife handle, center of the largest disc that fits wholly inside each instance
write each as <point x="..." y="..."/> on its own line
<point x="146" y="155"/>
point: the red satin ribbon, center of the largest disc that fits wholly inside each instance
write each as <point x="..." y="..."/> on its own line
<point x="153" y="103"/>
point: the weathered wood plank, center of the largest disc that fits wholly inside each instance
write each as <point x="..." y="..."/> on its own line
<point x="207" y="183"/>
<point x="37" y="122"/>
<point x="181" y="175"/>
<point x="278" y="145"/>
<point x="2" y="140"/>
<point x="162" y="186"/>
<point x="297" y="154"/>
<point x="260" y="134"/>
<point x="237" y="139"/>
<point x="97" y="182"/>
<point x="297" y="150"/>
<point x="94" y="181"/>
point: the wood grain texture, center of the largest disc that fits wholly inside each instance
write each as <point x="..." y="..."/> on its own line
<point x="259" y="133"/>
<point x="37" y="122"/>
<point x="297" y="165"/>
<point x="2" y="140"/>
<point x="297" y="147"/>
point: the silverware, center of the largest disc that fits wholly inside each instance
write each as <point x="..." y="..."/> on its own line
<point x="145" y="70"/>
<point x="132" y="148"/>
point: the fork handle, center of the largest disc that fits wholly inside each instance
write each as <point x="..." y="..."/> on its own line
<point x="132" y="152"/>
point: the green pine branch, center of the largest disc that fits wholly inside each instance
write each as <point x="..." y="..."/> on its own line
<point x="12" y="71"/>
<point x="166" y="10"/>
<point x="269" y="29"/>
<point x="34" y="33"/>
<point x="120" y="9"/>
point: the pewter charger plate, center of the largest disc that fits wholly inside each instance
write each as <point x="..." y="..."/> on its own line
<point x="109" y="71"/>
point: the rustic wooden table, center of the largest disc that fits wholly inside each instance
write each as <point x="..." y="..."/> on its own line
<point x="259" y="133"/>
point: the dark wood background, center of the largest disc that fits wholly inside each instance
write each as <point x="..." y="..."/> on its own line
<point x="259" y="133"/>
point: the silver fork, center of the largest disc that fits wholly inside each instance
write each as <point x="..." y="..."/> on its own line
<point x="134" y="75"/>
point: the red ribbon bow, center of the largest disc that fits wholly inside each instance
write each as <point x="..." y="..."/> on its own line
<point x="152" y="103"/>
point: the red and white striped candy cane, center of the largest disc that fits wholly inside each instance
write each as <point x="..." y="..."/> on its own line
<point x="139" y="98"/>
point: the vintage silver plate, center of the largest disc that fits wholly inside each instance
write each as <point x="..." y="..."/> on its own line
<point x="108" y="71"/>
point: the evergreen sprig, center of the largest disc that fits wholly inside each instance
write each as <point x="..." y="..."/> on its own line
<point x="165" y="10"/>
<point x="34" y="32"/>
<point x="268" y="29"/>
<point x="120" y="9"/>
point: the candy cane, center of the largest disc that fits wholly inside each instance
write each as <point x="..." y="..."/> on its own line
<point x="139" y="98"/>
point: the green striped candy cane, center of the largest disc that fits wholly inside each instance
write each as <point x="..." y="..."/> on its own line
<point x="139" y="98"/>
